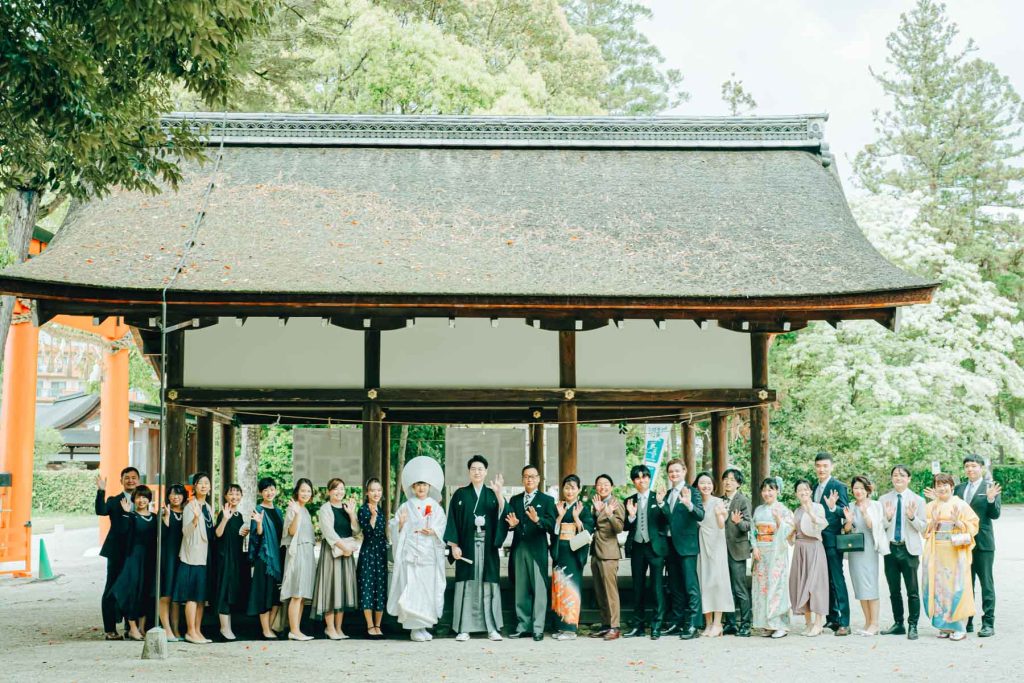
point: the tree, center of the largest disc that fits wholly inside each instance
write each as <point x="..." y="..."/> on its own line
<point x="249" y="464"/>
<point x="736" y="97"/>
<point x="953" y="135"/>
<point x="82" y="89"/>
<point x="636" y="83"/>
<point x="48" y="443"/>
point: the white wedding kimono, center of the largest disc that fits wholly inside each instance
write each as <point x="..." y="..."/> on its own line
<point x="416" y="595"/>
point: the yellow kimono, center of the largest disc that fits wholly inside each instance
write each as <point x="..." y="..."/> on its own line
<point x="947" y="593"/>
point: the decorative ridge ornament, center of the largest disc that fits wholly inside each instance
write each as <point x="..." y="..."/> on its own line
<point x="617" y="132"/>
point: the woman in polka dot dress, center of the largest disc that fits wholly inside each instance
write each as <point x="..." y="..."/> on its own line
<point x="372" y="569"/>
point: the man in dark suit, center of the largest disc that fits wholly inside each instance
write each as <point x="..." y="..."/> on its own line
<point x="737" y="540"/>
<point x="646" y="547"/>
<point x="531" y="517"/>
<point x="117" y="508"/>
<point x="685" y="511"/>
<point x="984" y="498"/>
<point x="832" y="494"/>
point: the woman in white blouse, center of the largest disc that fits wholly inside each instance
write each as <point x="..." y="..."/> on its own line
<point x="866" y="516"/>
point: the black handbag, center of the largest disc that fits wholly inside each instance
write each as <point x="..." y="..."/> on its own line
<point x="850" y="543"/>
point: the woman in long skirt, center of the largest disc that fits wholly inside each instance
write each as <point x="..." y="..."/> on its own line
<point x="808" y="574"/>
<point x="713" y="560"/>
<point x="170" y="546"/>
<point x="372" y="568"/>
<point x="948" y="591"/>
<point x="299" y="561"/>
<point x="567" y="564"/>
<point x="190" y="581"/>
<point x="232" y="562"/>
<point x="266" y="527"/>
<point x="133" y="589"/>
<point x="769" y="528"/>
<point x="335" y="588"/>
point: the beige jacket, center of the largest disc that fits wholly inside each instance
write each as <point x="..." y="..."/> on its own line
<point x="194" y="543"/>
<point x="808" y="526"/>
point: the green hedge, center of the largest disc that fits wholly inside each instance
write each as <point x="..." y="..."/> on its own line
<point x="64" y="490"/>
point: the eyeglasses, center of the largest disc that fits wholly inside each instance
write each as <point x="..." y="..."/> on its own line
<point x="531" y="476"/>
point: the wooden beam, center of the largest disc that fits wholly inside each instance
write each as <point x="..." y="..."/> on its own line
<point x="719" y="446"/>
<point x="372" y="440"/>
<point x="176" y="436"/>
<point x="689" y="450"/>
<point x="759" y="342"/>
<point x="371" y="359"/>
<point x="227" y="456"/>
<point x="566" y="440"/>
<point x="567" y="359"/>
<point x="204" y="444"/>
<point x="537" y="450"/>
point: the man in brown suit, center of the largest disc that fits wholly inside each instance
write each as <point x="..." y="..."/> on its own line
<point x="610" y="518"/>
<point x="737" y="540"/>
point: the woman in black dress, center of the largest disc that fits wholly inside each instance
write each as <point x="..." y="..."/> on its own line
<point x="170" y="546"/>
<point x="372" y="569"/>
<point x="133" y="590"/>
<point x="232" y="562"/>
<point x="265" y="530"/>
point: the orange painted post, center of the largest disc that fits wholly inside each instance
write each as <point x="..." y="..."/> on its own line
<point x="17" y="438"/>
<point x="114" y="412"/>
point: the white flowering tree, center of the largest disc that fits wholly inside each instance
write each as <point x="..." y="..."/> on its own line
<point x="930" y="391"/>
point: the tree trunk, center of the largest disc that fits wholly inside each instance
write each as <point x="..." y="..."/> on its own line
<point x="21" y="208"/>
<point x="403" y="442"/>
<point x="249" y="463"/>
<point x="705" y="450"/>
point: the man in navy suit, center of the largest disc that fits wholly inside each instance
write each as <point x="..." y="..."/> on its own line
<point x="117" y="508"/>
<point x="685" y="510"/>
<point x="832" y="494"/>
<point x="646" y="547"/>
<point x="984" y="498"/>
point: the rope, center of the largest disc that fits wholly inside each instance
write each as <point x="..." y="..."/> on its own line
<point x="125" y="342"/>
<point x="26" y="317"/>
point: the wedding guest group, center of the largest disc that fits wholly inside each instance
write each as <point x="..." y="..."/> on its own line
<point x="688" y="542"/>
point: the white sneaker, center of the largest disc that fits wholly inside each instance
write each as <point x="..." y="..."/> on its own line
<point x="494" y="635"/>
<point x="418" y="636"/>
<point x="781" y="633"/>
<point x="565" y="635"/>
<point x="462" y="637"/>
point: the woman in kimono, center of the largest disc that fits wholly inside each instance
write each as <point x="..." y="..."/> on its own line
<point x="571" y="518"/>
<point x="335" y="588"/>
<point x="867" y="517"/>
<point x="948" y="591"/>
<point x="769" y="529"/>
<point x="808" y="573"/>
<point x="190" y="581"/>
<point x="133" y="589"/>
<point x="416" y="596"/>
<point x="233" y="574"/>
<point x="299" y="562"/>
<point x="170" y="546"/>
<point x="713" y="560"/>
<point x="266" y="526"/>
<point x="372" y="567"/>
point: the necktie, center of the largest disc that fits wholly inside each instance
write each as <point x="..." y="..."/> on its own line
<point x="527" y="500"/>
<point x="642" y="519"/>
<point x="672" y="498"/>
<point x="898" y="535"/>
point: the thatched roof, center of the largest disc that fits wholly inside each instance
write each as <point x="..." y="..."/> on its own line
<point x="453" y="206"/>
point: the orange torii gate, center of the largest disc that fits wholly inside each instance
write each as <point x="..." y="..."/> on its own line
<point x="18" y="413"/>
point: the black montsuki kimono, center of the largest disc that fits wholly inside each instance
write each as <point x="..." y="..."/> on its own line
<point x="134" y="589"/>
<point x="233" y="570"/>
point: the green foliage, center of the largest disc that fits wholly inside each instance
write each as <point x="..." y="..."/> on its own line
<point x="48" y="443"/>
<point x="142" y="376"/>
<point x="64" y="490"/>
<point x="276" y="459"/>
<point x="737" y="98"/>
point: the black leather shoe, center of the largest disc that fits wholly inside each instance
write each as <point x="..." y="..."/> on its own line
<point x="673" y="628"/>
<point x="655" y="634"/>
<point x="912" y="632"/>
<point x="689" y="634"/>
<point x="537" y="637"/>
<point x="986" y="631"/>
<point x="970" y="625"/>
<point x="635" y="632"/>
<point x="895" y="630"/>
<point x="521" y="634"/>
<point x="831" y="625"/>
<point x="730" y="630"/>
<point x="743" y="632"/>
<point x="600" y="632"/>
<point x="842" y="631"/>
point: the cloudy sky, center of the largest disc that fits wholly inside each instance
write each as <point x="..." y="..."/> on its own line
<point x="803" y="56"/>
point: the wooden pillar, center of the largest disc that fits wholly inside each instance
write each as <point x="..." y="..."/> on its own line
<point x="760" y="462"/>
<point x="689" y="451"/>
<point x="176" y="436"/>
<point x="17" y="439"/>
<point x="114" y="416"/>
<point x="227" y="458"/>
<point x="719" y="446"/>
<point x="204" y="444"/>
<point x="385" y="466"/>
<point x="537" y="450"/>
<point x="567" y="408"/>
<point x="372" y="431"/>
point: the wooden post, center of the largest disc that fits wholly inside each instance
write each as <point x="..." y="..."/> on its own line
<point x="114" y="418"/>
<point x="204" y="445"/>
<point x="689" y="454"/>
<point x="719" y="446"/>
<point x="760" y="462"/>
<point x="537" y="450"/>
<point x="371" y="359"/>
<point x="567" y="408"/>
<point x="227" y="458"/>
<point x="372" y="428"/>
<point x="176" y="437"/>
<point x="385" y="466"/>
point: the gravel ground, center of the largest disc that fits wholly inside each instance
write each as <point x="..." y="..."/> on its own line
<point x="50" y="631"/>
